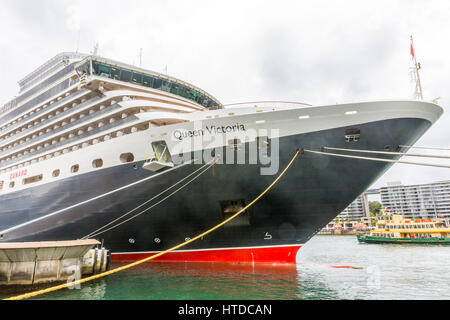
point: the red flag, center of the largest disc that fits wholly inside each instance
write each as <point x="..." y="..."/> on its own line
<point x="412" y="51"/>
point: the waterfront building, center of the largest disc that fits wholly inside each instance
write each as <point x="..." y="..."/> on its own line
<point x="421" y="200"/>
<point x="356" y="210"/>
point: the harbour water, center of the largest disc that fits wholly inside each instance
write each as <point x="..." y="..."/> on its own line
<point x="329" y="267"/>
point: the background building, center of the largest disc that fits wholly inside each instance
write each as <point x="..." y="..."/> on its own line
<point x="356" y="210"/>
<point x="423" y="200"/>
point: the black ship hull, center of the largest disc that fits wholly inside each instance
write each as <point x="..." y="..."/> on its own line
<point x="314" y="190"/>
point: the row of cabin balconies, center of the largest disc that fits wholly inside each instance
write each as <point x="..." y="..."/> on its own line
<point x="16" y="125"/>
<point x="82" y="104"/>
<point x="80" y="145"/>
<point x="56" y="111"/>
<point x="98" y="123"/>
<point x="66" y="117"/>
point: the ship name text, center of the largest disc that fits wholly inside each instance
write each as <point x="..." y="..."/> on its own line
<point x="183" y="134"/>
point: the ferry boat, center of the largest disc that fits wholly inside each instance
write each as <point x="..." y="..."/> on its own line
<point x="400" y="230"/>
<point x="143" y="161"/>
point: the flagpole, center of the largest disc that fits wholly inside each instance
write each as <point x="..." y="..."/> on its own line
<point x="419" y="92"/>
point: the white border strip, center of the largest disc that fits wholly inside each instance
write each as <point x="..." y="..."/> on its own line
<point x="214" y="249"/>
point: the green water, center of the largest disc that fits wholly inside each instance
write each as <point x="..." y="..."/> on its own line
<point x="389" y="271"/>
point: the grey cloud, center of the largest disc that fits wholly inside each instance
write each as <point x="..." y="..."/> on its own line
<point x="290" y="62"/>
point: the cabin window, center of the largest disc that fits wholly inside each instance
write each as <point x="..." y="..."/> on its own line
<point x="84" y="69"/>
<point x="137" y="78"/>
<point x="97" y="163"/>
<point x="33" y="179"/>
<point x="166" y="85"/>
<point x="11" y="184"/>
<point x="174" y="88"/>
<point x="126" y="157"/>
<point x="157" y="83"/>
<point x="95" y="66"/>
<point x="148" y="81"/>
<point x="125" y="76"/>
<point x="75" y="168"/>
<point x="115" y="73"/>
<point x="184" y="92"/>
<point x="56" y="173"/>
<point x="104" y="71"/>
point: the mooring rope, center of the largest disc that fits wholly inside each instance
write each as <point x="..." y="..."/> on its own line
<point x="430" y="148"/>
<point x="104" y="274"/>
<point x="101" y="231"/>
<point x="390" y="153"/>
<point x="377" y="159"/>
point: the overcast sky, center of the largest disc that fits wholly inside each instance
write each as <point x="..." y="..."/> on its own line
<point x="319" y="52"/>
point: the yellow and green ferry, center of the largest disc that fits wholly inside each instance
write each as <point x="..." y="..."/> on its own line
<point x="400" y="230"/>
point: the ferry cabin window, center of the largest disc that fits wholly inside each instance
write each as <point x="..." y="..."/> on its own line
<point x="32" y="179"/>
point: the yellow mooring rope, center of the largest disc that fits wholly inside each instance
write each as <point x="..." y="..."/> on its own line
<point x="107" y="273"/>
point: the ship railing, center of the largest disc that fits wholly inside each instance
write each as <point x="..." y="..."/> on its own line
<point x="8" y="106"/>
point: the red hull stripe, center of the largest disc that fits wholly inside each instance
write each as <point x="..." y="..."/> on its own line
<point x="282" y="254"/>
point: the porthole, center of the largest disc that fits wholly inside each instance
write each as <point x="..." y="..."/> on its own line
<point x="56" y="173"/>
<point x="126" y="157"/>
<point x="11" y="184"/>
<point x="97" y="163"/>
<point x="75" y="168"/>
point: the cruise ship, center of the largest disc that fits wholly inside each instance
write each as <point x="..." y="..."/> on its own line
<point x="95" y="148"/>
